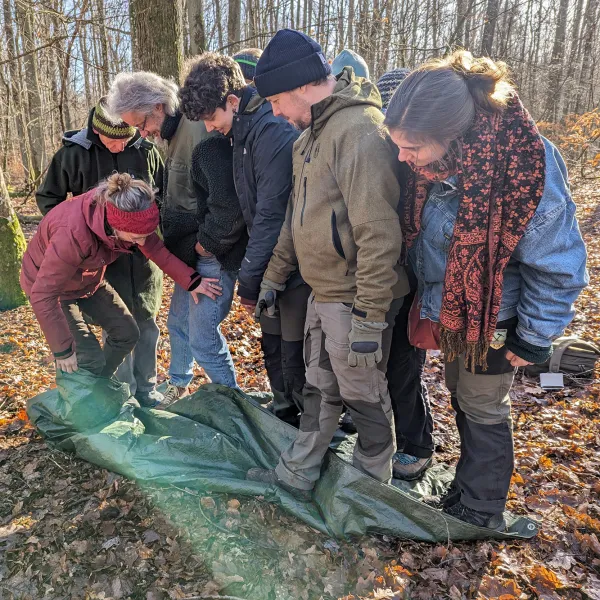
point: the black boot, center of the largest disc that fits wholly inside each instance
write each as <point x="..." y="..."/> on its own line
<point x="476" y="517"/>
<point x="270" y="477"/>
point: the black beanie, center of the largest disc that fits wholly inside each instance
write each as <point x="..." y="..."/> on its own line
<point x="290" y="60"/>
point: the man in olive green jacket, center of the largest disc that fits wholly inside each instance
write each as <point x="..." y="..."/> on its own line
<point x="86" y="157"/>
<point x="342" y="230"/>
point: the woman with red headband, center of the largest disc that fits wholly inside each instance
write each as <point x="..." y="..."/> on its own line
<point x="63" y="272"/>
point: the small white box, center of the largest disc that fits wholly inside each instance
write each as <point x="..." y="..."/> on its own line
<point x="552" y="381"/>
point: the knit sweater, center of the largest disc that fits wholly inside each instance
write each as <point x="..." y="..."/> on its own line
<point x="218" y="224"/>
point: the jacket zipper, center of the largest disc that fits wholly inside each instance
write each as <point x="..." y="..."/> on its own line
<point x="132" y="280"/>
<point x="303" y="205"/>
<point x="306" y="160"/>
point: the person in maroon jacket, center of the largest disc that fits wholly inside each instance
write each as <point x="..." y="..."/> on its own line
<point x="64" y="265"/>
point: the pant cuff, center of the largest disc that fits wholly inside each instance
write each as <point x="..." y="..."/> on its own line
<point x="417" y="451"/>
<point x="293" y="479"/>
<point x="180" y="381"/>
<point x="493" y="507"/>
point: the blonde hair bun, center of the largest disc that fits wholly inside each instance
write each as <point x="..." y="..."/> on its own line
<point x="119" y="183"/>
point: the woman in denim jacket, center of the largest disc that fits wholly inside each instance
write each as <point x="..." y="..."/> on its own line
<point x="492" y="236"/>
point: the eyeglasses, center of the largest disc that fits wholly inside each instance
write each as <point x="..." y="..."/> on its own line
<point x="142" y="127"/>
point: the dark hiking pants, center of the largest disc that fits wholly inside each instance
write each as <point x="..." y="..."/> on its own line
<point x="482" y="404"/>
<point x="410" y="400"/>
<point x="107" y="310"/>
<point x="283" y="346"/>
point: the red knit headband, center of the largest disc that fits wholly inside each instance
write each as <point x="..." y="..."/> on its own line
<point x="143" y="222"/>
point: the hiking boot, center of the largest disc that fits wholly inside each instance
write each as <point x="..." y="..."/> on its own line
<point x="449" y="498"/>
<point x="269" y="476"/>
<point x="172" y="394"/>
<point x="149" y="399"/>
<point x="408" y="467"/>
<point x="347" y="424"/>
<point x="476" y="517"/>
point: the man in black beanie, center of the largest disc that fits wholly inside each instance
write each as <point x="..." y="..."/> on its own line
<point x="343" y="232"/>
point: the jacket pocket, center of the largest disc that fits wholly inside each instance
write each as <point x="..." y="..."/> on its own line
<point x="335" y="236"/>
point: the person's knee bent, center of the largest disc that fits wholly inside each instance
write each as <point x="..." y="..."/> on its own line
<point x="127" y="334"/>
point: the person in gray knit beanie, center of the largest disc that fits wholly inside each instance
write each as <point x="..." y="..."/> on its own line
<point x="388" y="83"/>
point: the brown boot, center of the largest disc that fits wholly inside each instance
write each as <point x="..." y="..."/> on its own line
<point x="172" y="394"/>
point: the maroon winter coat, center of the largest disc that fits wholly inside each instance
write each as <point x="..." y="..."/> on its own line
<point x="67" y="257"/>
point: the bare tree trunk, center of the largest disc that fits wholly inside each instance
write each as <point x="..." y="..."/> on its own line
<point x="233" y="25"/>
<point x="83" y="48"/>
<point x="556" y="63"/>
<point x="195" y="10"/>
<point x="219" y="22"/>
<point x="350" y="34"/>
<point x="16" y="91"/>
<point x="12" y="247"/>
<point x="34" y="100"/>
<point x="591" y="25"/>
<point x="489" y="29"/>
<point x="157" y="48"/>
<point x="104" y="69"/>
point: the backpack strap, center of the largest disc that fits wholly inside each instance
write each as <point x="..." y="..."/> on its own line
<point x="559" y="350"/>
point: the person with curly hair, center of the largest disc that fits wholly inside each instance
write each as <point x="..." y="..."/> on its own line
<point x="151" y="104"/>
<point x="216" y="93"/>
<point x="494" y="242"/>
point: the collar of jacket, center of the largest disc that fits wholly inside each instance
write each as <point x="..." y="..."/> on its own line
<point x="170" y="125"/>
<point x="348" y="91"/>
<point x="251" y="110"/>
<point x="86" y="137"/>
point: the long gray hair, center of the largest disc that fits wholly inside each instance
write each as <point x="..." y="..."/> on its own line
<point x="141" y="92"/>
<point x="125" y="192"/>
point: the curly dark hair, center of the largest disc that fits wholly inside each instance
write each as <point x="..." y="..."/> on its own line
<point x="211" y="78"/>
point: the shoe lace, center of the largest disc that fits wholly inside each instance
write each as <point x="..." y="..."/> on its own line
<point x="171" y="393"/>
<point x="405" y="459"/>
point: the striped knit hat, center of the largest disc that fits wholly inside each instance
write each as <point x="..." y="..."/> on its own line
<point x="247" y="59"/>
<point x="104" y="125"/>
<point x="388" y="83"/>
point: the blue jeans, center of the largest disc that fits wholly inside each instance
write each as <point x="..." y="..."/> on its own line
<point x="195" y="329"/>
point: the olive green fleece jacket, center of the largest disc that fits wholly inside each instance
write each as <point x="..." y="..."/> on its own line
<point x="342" y="227"/>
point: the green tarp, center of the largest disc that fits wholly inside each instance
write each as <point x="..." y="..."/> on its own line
<point x="209" y="440"/>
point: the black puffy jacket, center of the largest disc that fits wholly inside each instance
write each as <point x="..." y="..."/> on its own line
<point x="262" y="167"/>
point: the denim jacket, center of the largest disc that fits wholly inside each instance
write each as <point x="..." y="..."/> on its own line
<point x="545" y="274"/>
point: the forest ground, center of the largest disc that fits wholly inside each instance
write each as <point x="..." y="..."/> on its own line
<point x="70" y="530"/>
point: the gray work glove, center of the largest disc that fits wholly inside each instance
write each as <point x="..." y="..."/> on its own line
<point x="365" y="343"/>
<point x="267" y="297"/>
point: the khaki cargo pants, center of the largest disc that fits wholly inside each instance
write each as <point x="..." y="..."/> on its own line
<point x="331" y="383"/>
<point x="482" y="404"/>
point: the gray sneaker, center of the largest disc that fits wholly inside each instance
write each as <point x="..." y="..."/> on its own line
<point x="172" y="394"/>
<point x="149" y="399"/>
<point x="408" y="467"/>
<point x="270" y="477"/>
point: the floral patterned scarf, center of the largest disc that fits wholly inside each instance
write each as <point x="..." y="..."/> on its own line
<point x="500" y="184"/>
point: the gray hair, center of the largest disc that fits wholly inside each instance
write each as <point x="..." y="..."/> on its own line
<point x="141" y="92"/>
<point x="125" y="192"/>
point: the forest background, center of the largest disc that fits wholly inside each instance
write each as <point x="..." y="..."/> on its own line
<point x="69" y="530"/>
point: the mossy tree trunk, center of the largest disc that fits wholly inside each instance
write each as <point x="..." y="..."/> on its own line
<point x="12" y="247"/>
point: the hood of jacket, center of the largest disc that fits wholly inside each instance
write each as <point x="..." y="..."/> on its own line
<point x="348" y="91"/>
<point x="87" y="137"/>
